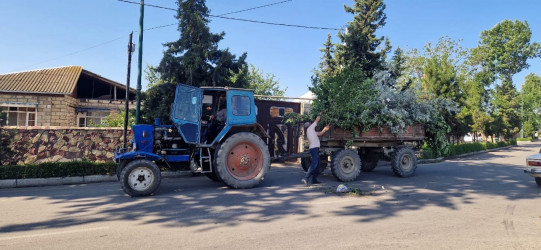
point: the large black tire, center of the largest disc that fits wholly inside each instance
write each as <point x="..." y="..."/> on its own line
<point x="119" y="168"/>
<point x="307" y="161"/>
<point x="140" y="178"/>
<point x="538" y="181"/>
<point x="213" y="176"/>
<point x="404" y="162"/>
<point x="242" y="160"/>
<point x="369" y="162"/>
<point x="346" y="165"/>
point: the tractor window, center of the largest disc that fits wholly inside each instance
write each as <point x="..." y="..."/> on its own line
<point x="188" y="105"/>
<point x="240" y="105"/>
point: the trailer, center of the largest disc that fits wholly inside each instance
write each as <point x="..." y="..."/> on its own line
<point x="347" y="153"/>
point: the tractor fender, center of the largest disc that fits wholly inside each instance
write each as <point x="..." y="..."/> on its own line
<point x="138" y="155"/>
<point x="255" y="128"/>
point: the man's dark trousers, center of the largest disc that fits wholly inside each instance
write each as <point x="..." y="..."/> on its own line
<point x="313" y="171"/>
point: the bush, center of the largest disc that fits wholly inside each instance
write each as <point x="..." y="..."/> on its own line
<point x="458" y="149"/>
<point x="57" y="169"/>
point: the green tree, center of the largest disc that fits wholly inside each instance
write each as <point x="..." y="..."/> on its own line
<point x="506" y="47"/>
<point x="264" y="84"/>
<point x="194" y="59"/>
<point x="504" y="50"/>
<point x="530" y="101"/>
<point x="506" y="110"/>
<point x="439" y="72"/>
<point x="397" y="68"/>
<point x="153" y="76"/>
<point x="116" y="120"/>
<point x="478" y="101"/>
<point x="359" y="43"/>
<point x="327" y="66"/>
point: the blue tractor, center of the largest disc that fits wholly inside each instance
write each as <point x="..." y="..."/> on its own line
<point x="214" y="132"/>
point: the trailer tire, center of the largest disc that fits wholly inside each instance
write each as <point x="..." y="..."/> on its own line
<point x="140" y="178"/>
<point x="403" y="162"/>
<point x="369" y="162"/>
<point x="346" y="165"/>
<point x="242" y="160"/>
<point x="538" y="181"/>
<point x="307" y="161"/>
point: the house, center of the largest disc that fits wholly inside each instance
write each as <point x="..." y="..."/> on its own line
<point x="63" y="96"/>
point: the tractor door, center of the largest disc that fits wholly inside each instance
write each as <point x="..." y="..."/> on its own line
<point x="186" y="113"/>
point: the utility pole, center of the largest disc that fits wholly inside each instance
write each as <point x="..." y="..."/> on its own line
<point x="139" y="61"/>
<point x="131" y="49"/>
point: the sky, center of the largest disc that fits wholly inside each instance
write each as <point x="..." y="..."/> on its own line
<point x="38" y="34"/>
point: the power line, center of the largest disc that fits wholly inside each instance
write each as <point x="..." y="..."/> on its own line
<point x="276" y="24"/>
<point x="263" y="6"/>
<point x="240" y="19"/>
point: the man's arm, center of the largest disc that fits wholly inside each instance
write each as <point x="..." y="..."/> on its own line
<point x="318" y="118"/>
<point x="322" y="132"/>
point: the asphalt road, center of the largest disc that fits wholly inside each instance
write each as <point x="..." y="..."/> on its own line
<point x="483" y="201"/>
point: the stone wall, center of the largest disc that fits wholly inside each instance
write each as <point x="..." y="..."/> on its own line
<point x="57" y="144"/>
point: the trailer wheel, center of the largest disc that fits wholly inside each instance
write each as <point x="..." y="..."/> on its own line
<point x="368" y="162"/>
<point x="242" y="160"/>
<point x="307" y="161"/>
<point x="404" y="162"/>
<point x="140" y="178"/>
<point x="346" y="165"/>
<point x="538" y="181"/>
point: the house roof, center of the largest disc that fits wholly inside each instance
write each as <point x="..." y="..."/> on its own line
<point x="61" y="80"/>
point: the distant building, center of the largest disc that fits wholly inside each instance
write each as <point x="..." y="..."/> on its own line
<point x="64" y="96"/>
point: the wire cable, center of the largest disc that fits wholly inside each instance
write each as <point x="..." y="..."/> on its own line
<point x="240" y="19"/>
<point x="262" y="6"/>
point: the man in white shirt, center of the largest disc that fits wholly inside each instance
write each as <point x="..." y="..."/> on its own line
<point x="313" y="136"/>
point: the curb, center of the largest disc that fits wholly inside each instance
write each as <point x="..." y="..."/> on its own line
<point x="55" y="181"/>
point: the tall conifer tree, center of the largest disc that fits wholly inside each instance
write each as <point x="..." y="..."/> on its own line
<point x="360" y="44"/>
<point x="194" y="59"/>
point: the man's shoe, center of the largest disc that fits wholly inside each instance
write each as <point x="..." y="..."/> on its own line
<point x="305" y="181"/>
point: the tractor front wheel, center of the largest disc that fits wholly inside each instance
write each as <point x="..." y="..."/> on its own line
<point x="140" y="178"/>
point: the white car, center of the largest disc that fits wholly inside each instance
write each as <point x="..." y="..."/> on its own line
<point x="533" y="167"/>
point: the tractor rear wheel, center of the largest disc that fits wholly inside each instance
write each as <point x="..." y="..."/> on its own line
<point x="538" y="181"/>
<point x="140" y="178"/>
<point x="242" y="160"/>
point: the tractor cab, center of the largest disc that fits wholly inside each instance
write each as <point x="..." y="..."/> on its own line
<point x="205" y="115"/>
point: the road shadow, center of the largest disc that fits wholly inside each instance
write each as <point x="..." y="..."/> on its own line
<point x="195" y="201"/>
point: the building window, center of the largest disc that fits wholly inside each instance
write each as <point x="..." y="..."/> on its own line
<point x="91" y="118"/>
<point x="20" y="116"/>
